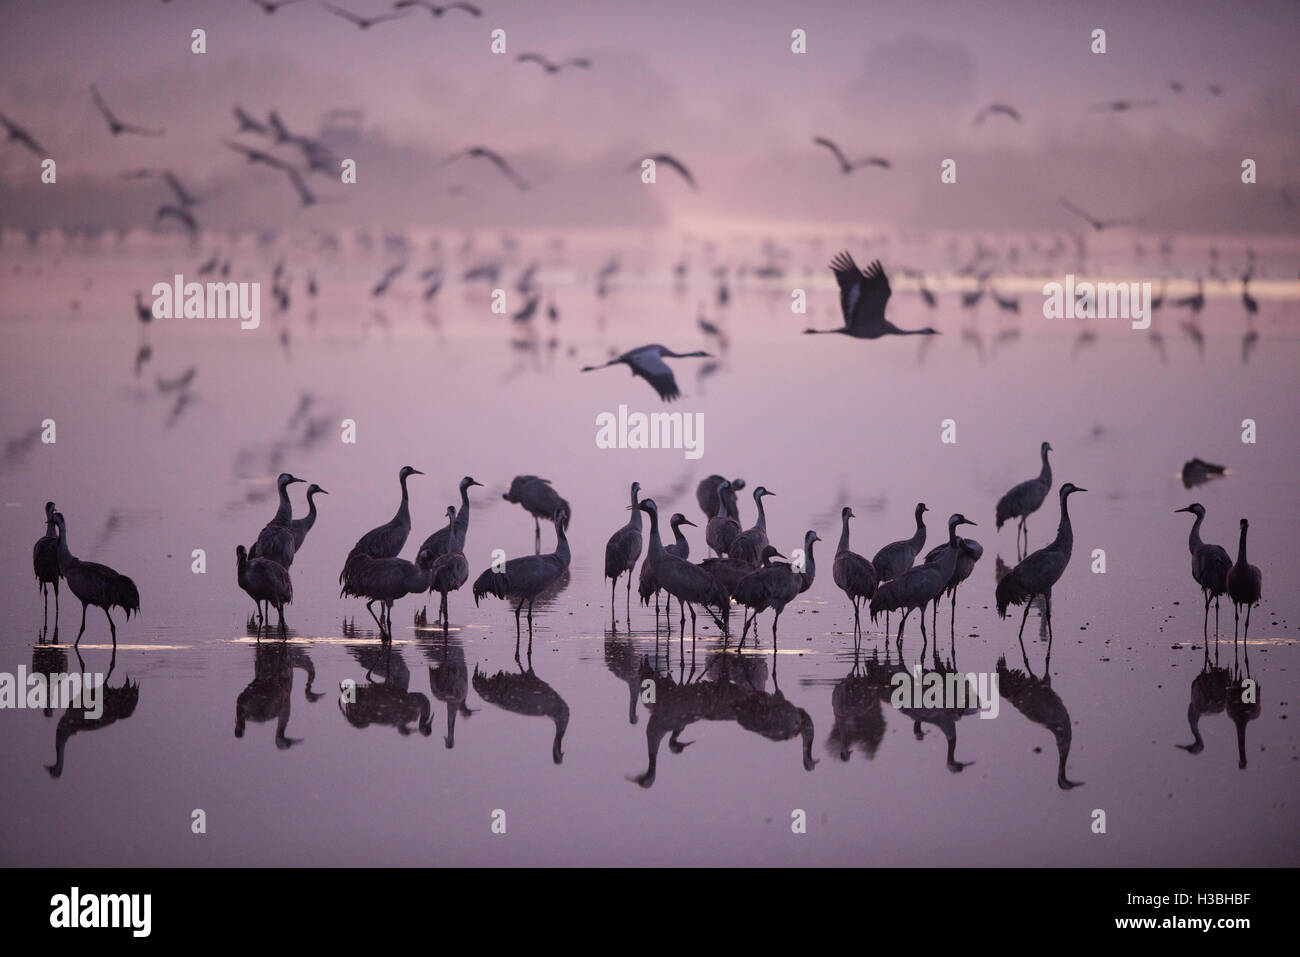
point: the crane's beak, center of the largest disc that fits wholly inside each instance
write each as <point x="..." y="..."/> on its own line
<point x="1187" y="509"/>
<point x="321" y="491"/>
<point x="1077" y="489"/>
<point x="967" y="522"/>
<point x="475" y="483"/>
<point x="416" y="472"/>
<point x="294" y="480"/>
<point x="687" y="521"/>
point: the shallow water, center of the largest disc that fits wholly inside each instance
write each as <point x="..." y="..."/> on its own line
<point x="821" y="421"/>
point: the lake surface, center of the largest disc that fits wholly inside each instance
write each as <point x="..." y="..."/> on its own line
<point x="451" y="734"/>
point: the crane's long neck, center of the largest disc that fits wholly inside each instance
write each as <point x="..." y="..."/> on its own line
<point x="656" y="544"/>
<point x="283" y="514"/>
<point x="1064" y="533"/>
<point x="1045" y="476"/>
<point x="635" y="520"/>
<point x="843" y="546"/>
<point x="310" y="518"/>
<point x="1241" y="548"/>
<point x="64" y="554"/>
<point x="721" y="511"/>
<point x="561" y="544"/>
<point x="762" y="515"/>
<point x="1194" y="540"/>
<point x="461" y="525"/>
<point x="403" y="515"/>
<point x="241" y="570"/>
<point x="679" y="539"/>
<point x="810" y="565"/>
<point x="918" y="537"/>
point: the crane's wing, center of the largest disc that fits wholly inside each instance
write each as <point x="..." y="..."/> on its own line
<point x="677" y="165"/>
<point x="469" y="8"/>
<point x="101" y="105"/>
<point x="652" y="368"/>
<point x="863" y="294"/>
<point x="578" y="61"/>
<point x="532" y="58"/>
<point x="839" y="155"/>
<point x="346" y="14"/>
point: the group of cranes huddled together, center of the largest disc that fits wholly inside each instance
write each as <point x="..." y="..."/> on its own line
<point x="746" y="569"/>
<point x="745" y="572"/>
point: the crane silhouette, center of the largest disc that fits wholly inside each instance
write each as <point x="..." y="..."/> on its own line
<point x="265" y="581"/>
<point x="863" y="294"/>
<point x="1210" y="566"/>
<point x="45" y="563"/>
<point x="1244" y="585"/>
<point x="748" y="545"/>
<point x="853" y="574"/>
<point x="527" y="577"/>
<point x="647" y="362"/>
<point x="383" y="542"/>
<point x="276" y="540"/>
<point x="1024" y="499"/>
<point x="95" y="584"/>
<point x="449" y="570"/>
<point x="1039" y="571"/>
<point x="622" y="552"/>
<point x="723" y="528"/>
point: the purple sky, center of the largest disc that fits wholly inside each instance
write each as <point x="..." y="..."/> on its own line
<point x="714" y="83"/>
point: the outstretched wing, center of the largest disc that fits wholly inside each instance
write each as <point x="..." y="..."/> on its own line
<point x="863" y="294"/>
<point x="839" y="155"/>
<point x="677" y="165"/>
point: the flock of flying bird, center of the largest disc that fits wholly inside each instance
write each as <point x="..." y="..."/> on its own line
<point x="745" y="569"/>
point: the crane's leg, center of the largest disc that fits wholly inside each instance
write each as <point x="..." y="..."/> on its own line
<point x="627" y="603"/>
<point x="901" y="622"/>
<point x="113" y="630"/>
<point x="1216" y="629"/>
<point x="370" y="608"/>
<point x="925" y="639"/>
<point x="934" y="622"/>
<point x="45" y="598"/>
<point x="280" y="608"/>
<point x="1205" y="628"/>
<point x="775" y="618"/>
<point x="1245" y="638"/>
<point x="952" y="631"/>
<point x="83" y="625"/>
<point x="1023" y="619"/>
<point x="56" y="607"/>
<point x="1236" y="617"/>
<point x="682" y="608"/>
<point x="537" y="536"/>
<point x="692" y="607"/>
<point x="1047" y="608"/>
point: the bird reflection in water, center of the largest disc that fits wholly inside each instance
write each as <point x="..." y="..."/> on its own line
<point x="268" y="695"/>
<point x="525" y="693"/>
<point x="449" y="680"/>
<point x="1034" y="698"/>
<point x="117" y="704"/>
<point x="387" y="701"/>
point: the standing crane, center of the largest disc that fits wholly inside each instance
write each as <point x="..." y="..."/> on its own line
<point x="384" y="541"/>
<point x="690" y="584"/>
<point x="440" y="542"/>
<point x="1244" y="581"/>
<point x="45" y="562"/>
<point x="1038" y="572"/>
<point x="450" y="570"/>
<point x="539" y="500"/>
<point x="526" y="577"/>
<point x="622" y="552"/>
<point x="1024" y="499"/>
<point x="853" y="574"/>
<point x="276" y="540"/>
<point x="749" y="544"/>
<point x="1210" y="567"/>
<point x="774" y="587"/>
<point x="723" y="528"/>
<point x="969" y="552"/>
<point x="95" y="584"/>
<point x="264" y="581"/>
<point x="897" y="557"/>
